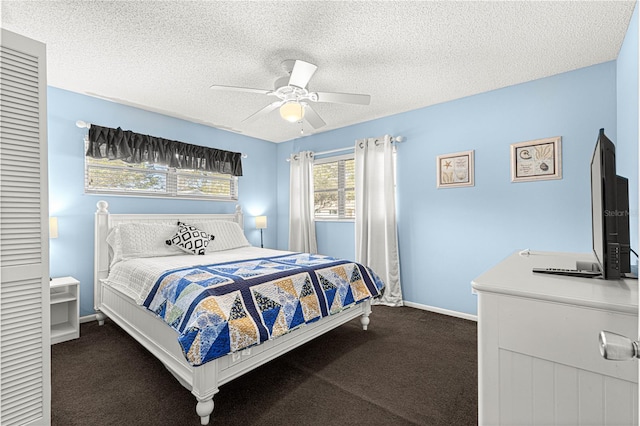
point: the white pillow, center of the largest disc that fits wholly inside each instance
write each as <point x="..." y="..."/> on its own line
<point x="134" y="240"/>
<point x="113" y="239"/>
<point x="228" y="235"/>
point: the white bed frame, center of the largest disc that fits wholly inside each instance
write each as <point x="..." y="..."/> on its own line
<point x="161" y="340"/>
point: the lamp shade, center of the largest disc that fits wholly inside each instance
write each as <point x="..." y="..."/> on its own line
<point x="261" y="222"/>
<point x="292" y="111"/>
<point x="53" y="227"/>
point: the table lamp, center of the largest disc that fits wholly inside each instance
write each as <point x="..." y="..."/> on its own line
<point x="261" y="223"/>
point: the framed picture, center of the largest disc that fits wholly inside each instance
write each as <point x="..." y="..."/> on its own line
<point x="455" y="170"/>
<point x="536" y="160"/>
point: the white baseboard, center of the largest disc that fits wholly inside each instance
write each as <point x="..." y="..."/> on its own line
<point x="88" y="318"/>
<point x="442" y="311"/>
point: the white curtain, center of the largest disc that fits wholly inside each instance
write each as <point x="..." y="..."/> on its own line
<point x="376" y="229"/>
<point x="302" y="227"/>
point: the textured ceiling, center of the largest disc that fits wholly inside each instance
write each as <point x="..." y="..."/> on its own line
<point x="163" y="56"/>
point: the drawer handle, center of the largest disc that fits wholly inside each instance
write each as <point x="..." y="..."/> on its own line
<point x="616" y="347"/>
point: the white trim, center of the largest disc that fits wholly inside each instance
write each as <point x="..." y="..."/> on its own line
<point x="462" y="315"/>
<point x="88" y="318"/>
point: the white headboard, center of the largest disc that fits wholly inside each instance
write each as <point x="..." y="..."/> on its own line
<point x="104" y="221"/>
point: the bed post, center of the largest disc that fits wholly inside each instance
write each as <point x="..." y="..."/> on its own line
<point x="366" y="311"/>
<point x="239" y="217"/>
<point x="101" y="256"/>
<point x="204" y="387"/>
<point x="204" y="408"/>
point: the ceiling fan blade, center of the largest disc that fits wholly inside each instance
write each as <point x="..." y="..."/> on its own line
<point x="301" y="74"/>
<point x="241" y="89"/>
<point x="312" y="117"/>
<point x="343" y="98"/>
<point x="263" y="111"/>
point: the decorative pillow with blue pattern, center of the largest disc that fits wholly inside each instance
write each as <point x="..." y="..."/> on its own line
<point x="190" y="239"/>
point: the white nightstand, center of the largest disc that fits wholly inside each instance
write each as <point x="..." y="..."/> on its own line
<point x="65" y="309"/>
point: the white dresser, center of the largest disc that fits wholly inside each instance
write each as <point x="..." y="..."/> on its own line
<point x="538" y="353"/>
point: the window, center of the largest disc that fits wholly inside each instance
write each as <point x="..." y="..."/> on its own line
<point x="103" y="176"/>
<point x="334" y="188"/>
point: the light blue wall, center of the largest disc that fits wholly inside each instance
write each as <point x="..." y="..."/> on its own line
<point x="72" y="252"/>
<point x="449" y="236"/>
<point x="627" y="142"/>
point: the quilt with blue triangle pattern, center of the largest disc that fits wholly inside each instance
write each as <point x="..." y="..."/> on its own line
<point x="222" y="308"/>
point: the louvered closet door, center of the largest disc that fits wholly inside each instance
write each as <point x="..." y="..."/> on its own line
<point x="25" y="379"/>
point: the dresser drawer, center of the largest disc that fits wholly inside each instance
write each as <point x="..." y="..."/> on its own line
<point x="563" y="334"/>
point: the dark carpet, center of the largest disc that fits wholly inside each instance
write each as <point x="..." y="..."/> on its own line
<point x="412" y="367"/>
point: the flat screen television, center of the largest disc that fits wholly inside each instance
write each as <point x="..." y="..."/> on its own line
<point x="609" y="211"/>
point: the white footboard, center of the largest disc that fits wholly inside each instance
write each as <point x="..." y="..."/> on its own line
<point x="204" y="381"/>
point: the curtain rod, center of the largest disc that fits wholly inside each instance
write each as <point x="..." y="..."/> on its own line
<point x="84" y="124"/>
<point x="394" y="139"/>
<point x="331" y="151"/>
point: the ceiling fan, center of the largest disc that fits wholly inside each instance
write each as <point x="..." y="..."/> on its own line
<point x="294" y="97"/>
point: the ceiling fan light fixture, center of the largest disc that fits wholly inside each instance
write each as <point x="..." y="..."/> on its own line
<point x="292" y="111"/>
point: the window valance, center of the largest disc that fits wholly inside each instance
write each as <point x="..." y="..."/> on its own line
<point x="130" y="147"/>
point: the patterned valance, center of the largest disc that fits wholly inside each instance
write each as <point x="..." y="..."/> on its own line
<point x="118" y="144"/>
